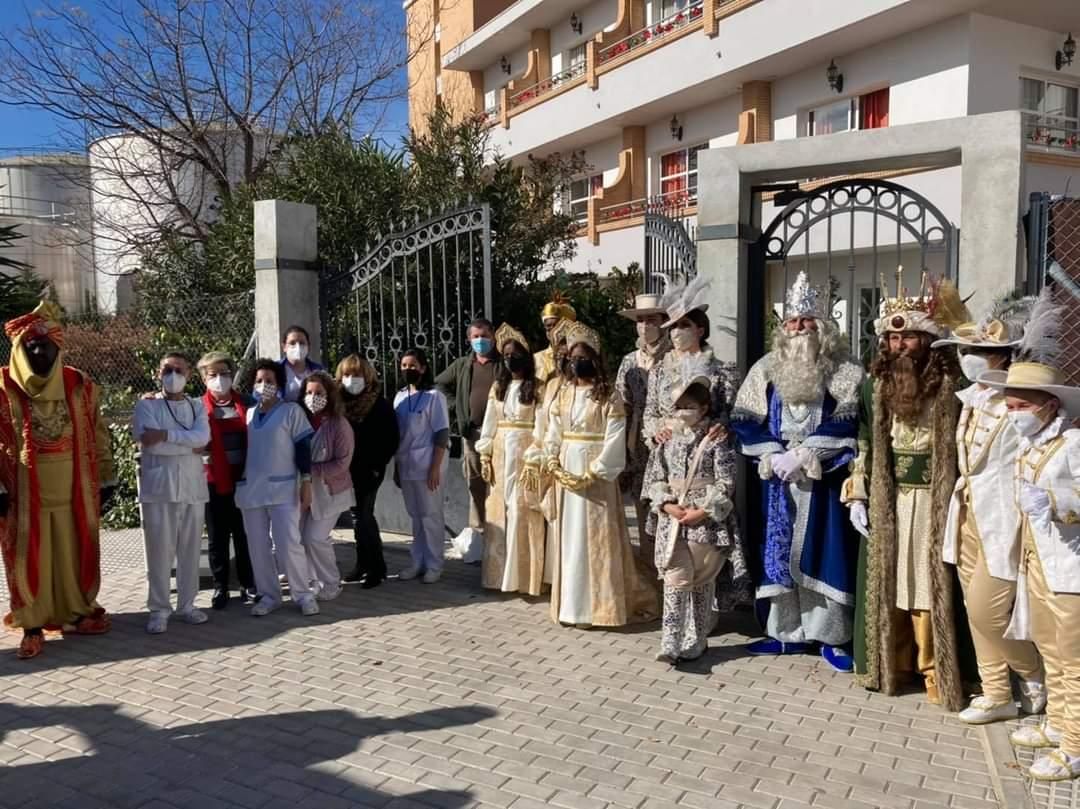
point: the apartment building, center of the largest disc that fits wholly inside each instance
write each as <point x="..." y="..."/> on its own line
<point x="640" y="87"/>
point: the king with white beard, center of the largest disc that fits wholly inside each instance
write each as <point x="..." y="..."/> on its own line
<point x="797" y="415"/>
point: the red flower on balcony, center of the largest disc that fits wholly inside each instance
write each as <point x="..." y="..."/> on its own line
<point x="695" y="12"/>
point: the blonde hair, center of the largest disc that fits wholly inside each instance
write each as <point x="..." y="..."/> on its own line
<point x="213" y="358"/>
<point x="355" y="365"/>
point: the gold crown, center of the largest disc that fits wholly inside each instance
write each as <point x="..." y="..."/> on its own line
<point x="506" y="333"/>
<point x="903" y="302"/>
<point x="580" y="333"/>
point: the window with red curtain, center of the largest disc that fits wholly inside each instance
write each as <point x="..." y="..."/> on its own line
<point x="874" y="110"/>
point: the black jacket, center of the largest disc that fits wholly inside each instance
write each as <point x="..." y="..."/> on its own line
<point x="376" y="442"/>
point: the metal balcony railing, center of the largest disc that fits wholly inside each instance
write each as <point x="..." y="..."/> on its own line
<point x="651" y="33"/>
<point x="1051" y="131"/>
<point x="623" y="210"/>
<point x="545" y="86"/>
<point x="491" y="114"/>
<point x="32" y="208"/>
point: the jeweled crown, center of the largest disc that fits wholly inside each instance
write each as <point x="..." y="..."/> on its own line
<point x="902" y="302"/>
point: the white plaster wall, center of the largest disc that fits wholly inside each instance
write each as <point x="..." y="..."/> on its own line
<point x="495" y="78"/>
<point x="604" y="157"/>
<point x="716" y="123"/>
<point x="1001" y="52"/>
<point x="617" y="248"/>
<point x="1051" y="179"/>
<point x="595" y="17"/>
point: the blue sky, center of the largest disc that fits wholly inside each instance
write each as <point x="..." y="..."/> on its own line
<point x="25" y="127"/>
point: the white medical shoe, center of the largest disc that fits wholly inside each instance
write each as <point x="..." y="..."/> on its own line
<point x="1032" y="697"/>
<point x="193" y="616"/>
<point x="264" y="606"/>
<point x="309" y="606"/>
<point x="1055" y="766"/>
<point x="432" y="576"/>
<point x="328" y="593"/>
<point x="1036" y="736"/>
<point x="411" y="572"/>
<point x="983" y="710"/>
<point x="157" y="623"/>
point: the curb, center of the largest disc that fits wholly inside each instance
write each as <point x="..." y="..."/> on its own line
<point x="1009" y="785"/>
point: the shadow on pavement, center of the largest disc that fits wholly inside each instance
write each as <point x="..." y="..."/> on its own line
<point x="127" y="763"/>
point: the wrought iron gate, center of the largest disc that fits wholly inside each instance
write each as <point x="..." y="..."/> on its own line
<point x="670" y="249"/>
<point x="418" y="287"/>
<point x="873" y="225"/>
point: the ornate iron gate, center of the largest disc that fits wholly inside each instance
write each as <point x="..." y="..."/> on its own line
<point x="670" y="249"/>
<point x="418" y="287"/>
<point x="873" y="225"/>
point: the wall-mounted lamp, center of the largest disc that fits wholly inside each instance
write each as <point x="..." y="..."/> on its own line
<point x="1067" y="52"/>
<point x="835" y="77"/>
<point x="504" y="63"/>
<point x="676" y="127"/>
<point x="575" y="23"/>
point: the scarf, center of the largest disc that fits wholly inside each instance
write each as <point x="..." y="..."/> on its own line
<point x="357" y="407"/>
<point x="220" y="467"/>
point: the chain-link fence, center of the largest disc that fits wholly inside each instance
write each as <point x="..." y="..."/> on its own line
<point x="121" y="354"/>
<point x="1055" y="225"/>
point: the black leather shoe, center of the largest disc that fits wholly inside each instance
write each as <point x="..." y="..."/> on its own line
<point x="220" y="599"/>
<point x="356" y="574"/>
<point x="247" y="596"/>
<point x="371" y="582"/>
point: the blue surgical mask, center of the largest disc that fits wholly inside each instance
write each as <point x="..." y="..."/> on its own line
<point x="481" y="345"/>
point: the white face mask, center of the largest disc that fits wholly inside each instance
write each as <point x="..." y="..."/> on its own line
<point x="316" y="402"/>
<point x="220" y="385"/>
<point x="353" y="384"/>
<point x="173" y="382"/>
<point x="296" y="352"/>
<point x="265" y="390"/>
<point x="688" y="415"/>
<point x="1025" y="422"/>
<point x="684" y="339"/>
<point x="974" y="366"/>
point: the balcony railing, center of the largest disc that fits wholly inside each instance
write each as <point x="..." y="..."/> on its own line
<point x="544" y="87"/>
<point x="491" y="114"/>
<point x="674" y="204"/>
<point x="651" y="33"/>
<point x="623" y="210"/>
<point x="1052" y="132"/>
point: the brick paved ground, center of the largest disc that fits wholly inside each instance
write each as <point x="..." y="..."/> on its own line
<point x="413" y="696"/>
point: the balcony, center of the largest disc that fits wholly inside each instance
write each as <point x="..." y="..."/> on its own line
<point x="563" y="80"/>
<point x="654" y="34"/>
<point x="1051" y="133"/>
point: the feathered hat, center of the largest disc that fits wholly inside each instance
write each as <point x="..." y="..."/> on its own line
<point x="558" y="307"/>
<point x="1001" y="327"/>
<point x="806" y="300"/>
<point x="1036" y="358"/>
<point x="680" y="299"/>
<point x="505" y="333"/>
<point x="691" y="369"/>
<point x="937" y="308"/>
<point x="580" y="333"/>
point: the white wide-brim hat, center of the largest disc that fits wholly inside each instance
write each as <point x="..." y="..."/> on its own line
<point x="1035" y="376"/>
<point x="677" y="313"/>
<point x="644" y="305"/>
<point x="994" y="334"/>
<point x="698" y="379"/>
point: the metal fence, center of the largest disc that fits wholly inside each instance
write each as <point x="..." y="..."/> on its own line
<point x="1054" y="257"/>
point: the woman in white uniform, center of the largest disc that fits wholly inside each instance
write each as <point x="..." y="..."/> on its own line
<point x="420" y="463"/>
<point x="275" y="489"/>
<point x="331" y="483"/>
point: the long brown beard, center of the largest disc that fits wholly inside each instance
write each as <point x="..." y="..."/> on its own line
<point x="904" y="386"/>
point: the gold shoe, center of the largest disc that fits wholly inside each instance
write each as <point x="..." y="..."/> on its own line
<point x="933" y="696"/>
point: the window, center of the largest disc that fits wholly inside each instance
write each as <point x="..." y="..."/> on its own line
<point x="678" y="173"/>
<point x="581" y="191"/>
<point x="1050" y="112"/>
<point x="870" y="111"/>
<point x="572" y="64"/>
<point x="669" y="8"/>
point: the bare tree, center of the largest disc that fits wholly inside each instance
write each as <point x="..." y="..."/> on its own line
<point x="182" y="100"/>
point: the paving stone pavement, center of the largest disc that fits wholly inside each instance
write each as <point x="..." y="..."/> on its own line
<point x="414" y="696"/>
<point x="1041" y="794"/>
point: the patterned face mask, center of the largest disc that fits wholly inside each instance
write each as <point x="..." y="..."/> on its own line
<point x="316" y="402"/>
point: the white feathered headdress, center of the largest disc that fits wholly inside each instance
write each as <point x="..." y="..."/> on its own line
<point x="1001" y="327"/>
<point x="682" y="298"/>
<point x="691" y="368"/>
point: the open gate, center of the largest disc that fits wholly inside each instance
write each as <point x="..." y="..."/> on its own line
<point x="670" y="247"/>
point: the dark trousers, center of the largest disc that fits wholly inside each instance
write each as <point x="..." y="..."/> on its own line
<point x="369" y="553"/>
<point x="224" y="521"/>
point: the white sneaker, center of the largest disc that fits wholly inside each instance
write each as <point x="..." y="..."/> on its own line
<point x="432" y="576"/>
<point x="157" y="623"/>
<point x="410" y="572"/>
<point x="1032" y="697"/>
<point x="983" y="710"/>
<point x="1055" y="766"/>
<point x="1036" y="736"/>
<point x="309" y="606"/>
<point x="328" y="593"/>
<point x="193" y="616"/>
<point x="264" y="606"/>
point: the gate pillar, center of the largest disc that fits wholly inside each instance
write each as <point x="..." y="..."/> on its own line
<point x="286" y="274"/>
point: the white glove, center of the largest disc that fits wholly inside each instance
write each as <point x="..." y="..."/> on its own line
<point x="859" y="518"/>
<point x="1033" y="500"/>
<point x="788" y="467"/>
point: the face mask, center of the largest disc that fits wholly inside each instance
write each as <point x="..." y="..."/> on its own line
<point x="649" y="332"/>
<point x="220" y="385"/>
<point x="974" y="366"/>
<point x="1026" y="422"/>
<point x="481" y="345"/>
<point x="173" y="382"/>
<point x="689" y="415"/>
<point x="296" y="352"/>
<point x="265" y="391"/>
<point x="684" y="339"/>
<point x="584" y="368"/>
<point x="515" y="363"/>
<point x="412" y="376"/>
<point x="316" y="402"/>
<point x="353" y="384"/>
